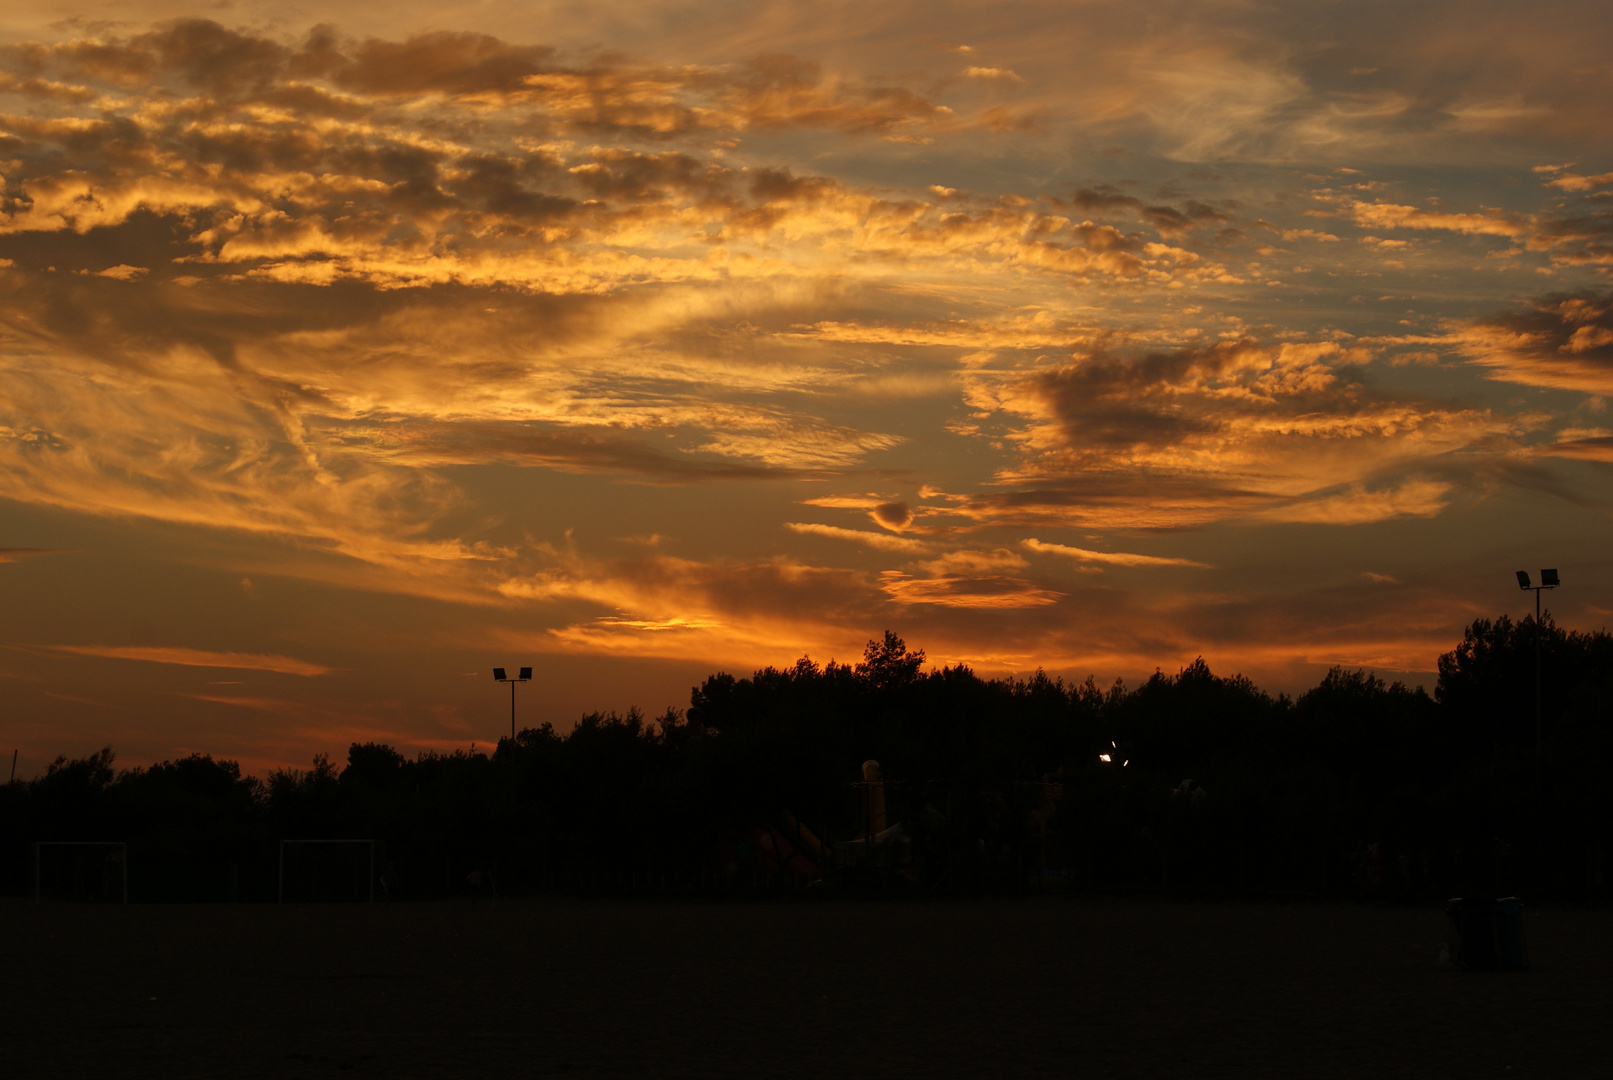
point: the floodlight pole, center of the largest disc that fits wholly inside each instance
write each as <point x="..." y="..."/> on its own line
<point x="1538" y="739"/>
<point x="525" y="675"/>
<point x="1548" y="580"/>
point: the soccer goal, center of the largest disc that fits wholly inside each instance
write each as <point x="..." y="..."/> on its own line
<point x="327" y="871"/>
<point x="82" y="870"/>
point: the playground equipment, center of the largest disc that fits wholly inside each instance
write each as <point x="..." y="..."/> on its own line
<point x="877" y="842"/>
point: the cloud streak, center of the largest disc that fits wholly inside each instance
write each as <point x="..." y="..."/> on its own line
<point x="883" y="541"/>
<point x="1113" y="558"/>
<point x="1564" y="342"/>
<point x="9" y="555"/>
<point x="283" y="665"/>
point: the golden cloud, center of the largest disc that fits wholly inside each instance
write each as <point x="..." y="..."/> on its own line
<point x="1116" y="558"/>
<point x="1359" y="505"/>
<point x="1198" y="434"/>
<point x="1587" y="448"/>
<point x="10" y="555"/>
<point x="1558" y="341"/>
<point x="884" y="541"/>
<point x="1574" y="182"/>
<point x="1395" y="216"/>
<point x="972" y="579"/>
<point x="990" y="592"/>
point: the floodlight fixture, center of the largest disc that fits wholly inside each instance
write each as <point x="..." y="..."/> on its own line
<point x="500" y="676"/>
<point x="1523" y="580"/>
<point x="1548" y="579"/>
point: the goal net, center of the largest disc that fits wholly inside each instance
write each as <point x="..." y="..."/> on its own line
<point x="94" y="871"/>
<point x="327" y="871"/>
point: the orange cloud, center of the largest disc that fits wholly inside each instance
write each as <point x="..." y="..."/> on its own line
<point x="1559" y="341"/>
<point x="992" y="74"/>
<point x="1587" y="448"/>
<point x="1195" y="435"/>
<point x="1359" y="505"/>
<point x="968" y="579"/>
<point x="1394" y="216"/>
<point x="894" y="515"/>
<point x="990" y="592"/>
<point x="9" y="555"/>
<point x="1574" y="182"/>
<point x="884" y="541"/>
<point x="1116" y="558"/>
<point x="283" y="665"/>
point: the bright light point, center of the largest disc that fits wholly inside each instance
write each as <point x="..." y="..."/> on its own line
<point x="1103" y="757"/>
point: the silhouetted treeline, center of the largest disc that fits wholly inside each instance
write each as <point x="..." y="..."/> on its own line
<point x="1356" y="787"/>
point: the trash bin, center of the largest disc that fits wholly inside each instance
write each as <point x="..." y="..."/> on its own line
<point x="1487" y="935"/>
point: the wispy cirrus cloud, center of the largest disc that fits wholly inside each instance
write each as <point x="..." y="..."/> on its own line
<point x="883" y="541"/>
<point x="1360" y="504"/>
<point x="987" y="580"/>
<point x="1394" y="216"/>
<point x="184" y="657"/>
<point x="1571" y="235"/>
<point x="1198" y="434"/>
<point x="1558" y="341"/>
<point x="1114" y="558"/>
<point x="10" y="555"/>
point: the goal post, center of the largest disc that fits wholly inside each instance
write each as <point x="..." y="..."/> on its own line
<point x="316" y="848"/>
<point x="112" y="868"/>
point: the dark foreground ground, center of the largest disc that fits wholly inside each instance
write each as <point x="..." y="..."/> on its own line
<point x="986" y="988"/>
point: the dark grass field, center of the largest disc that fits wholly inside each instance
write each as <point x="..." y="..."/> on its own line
<point x="997" y="988"/>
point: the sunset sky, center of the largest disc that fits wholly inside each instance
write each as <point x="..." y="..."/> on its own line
<point x="349" y="350"/>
